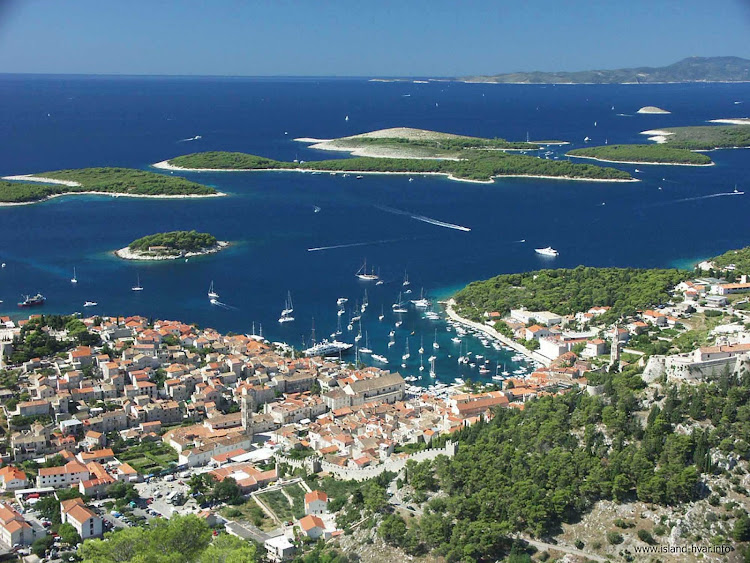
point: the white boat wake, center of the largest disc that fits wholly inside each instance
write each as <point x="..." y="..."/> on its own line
<point x="196" y="138"/>
<point x="698" y="198"/>
<point x="217" y="303"/>
<point x="353" y="244"/>
<point x="424" y="219"/>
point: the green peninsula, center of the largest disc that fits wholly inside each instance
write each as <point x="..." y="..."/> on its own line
<point x="566" y="291"/>
<point x="116" y="181"/>
<point x="643" y="154"/>
<point x="412" y="151"/>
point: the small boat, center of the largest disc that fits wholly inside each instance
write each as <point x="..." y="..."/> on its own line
<point x="286" y="312"/>
<point x="548" y="251"/>
<point x="360" y="177"/>
<point x="636" y="170"/>
<point x="316" y="209"/>
<point x="456" y="340"/>
<point x="381" y="316"/>
<point x="432" y="367"/>
<point x="379" y="358"/>
<point x="366" y="348"/>
<point x="34" y="301"/>
<point x="211" y="293"/>
<point x="398" y="307"/>
<point x="90" y="304"/>
<point x="74" y="279"/>
<point x="341" y="300"/>
<point x="398" y="323"/>
<point x="363" y="275"/>
<point x="435" y="344"/>
<point x="406" y="355"/>
<point x="138" y="286"/>
<point x="421" y="346"/>
<point x="346" y="118"/>
<point x="288" y="306"/>
<point x="586" y="139"/>
<point x="406" y="280"/>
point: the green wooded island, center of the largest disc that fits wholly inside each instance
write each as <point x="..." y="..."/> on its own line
<point x="171" y="245"/>
<point x="643" y="154"/>
<point x="32" y="188"/>
<point x="412" y="151"/>
<point x="706" y="137"/>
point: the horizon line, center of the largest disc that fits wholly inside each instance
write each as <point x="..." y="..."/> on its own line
<point x="129" y="75"/>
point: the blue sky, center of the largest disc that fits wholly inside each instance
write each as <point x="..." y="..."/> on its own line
<point x="355" y="38"/>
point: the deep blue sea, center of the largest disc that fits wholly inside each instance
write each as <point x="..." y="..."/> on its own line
<point x="50" y="123"/>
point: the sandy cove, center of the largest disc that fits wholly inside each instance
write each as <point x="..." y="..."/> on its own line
<point x="637" y="162"/>
<point x="658" y="135"/>
<point x="127" y="254"/>
<point x="43" y="180"/>
<point x="165" y="165"/>
<point x="732" y="120"/>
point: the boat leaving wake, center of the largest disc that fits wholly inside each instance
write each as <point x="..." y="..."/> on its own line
<point x="697" y="198"/>
<point x="422" y="218"/>
<point x="217" y="303"/>
<point x="353" y="244"/>
<point x="197" y="137"/>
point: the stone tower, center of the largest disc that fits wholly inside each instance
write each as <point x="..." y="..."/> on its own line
<point x="614" y="354"/>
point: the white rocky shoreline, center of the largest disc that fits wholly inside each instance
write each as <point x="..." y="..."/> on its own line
<point x="166" y="165"/>
<point x="128" y="254"/>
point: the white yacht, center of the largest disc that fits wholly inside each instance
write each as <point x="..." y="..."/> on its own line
<point x="363" y="275"/>
<point x="327" y="348"/>
<point x="379" y="358"/>
<point x="548" y="251"/>
<point x="74" y="279"/>
<point x="211" y="293"/>
<point x="137" y="286"/>
<point x="406" y="355"/>
<point x="90" y="304"/>
<point x="286" y="313"/>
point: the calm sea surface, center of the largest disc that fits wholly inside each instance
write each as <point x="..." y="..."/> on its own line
<point x="49" y="123"/>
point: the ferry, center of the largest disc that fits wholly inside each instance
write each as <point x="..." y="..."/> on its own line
<point x="548" y="251"/>
<point x="326" y="348"/>
<point x="38" y="299"/>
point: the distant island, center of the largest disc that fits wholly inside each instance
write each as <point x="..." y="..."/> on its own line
<point x="642" y="154"/>
<point x="171" y="245"/>
<point x="674" y="145"/>
<point x="692" y="69"/>
<point x="653" y="109"/>
<point x="126" y="182"/>
<point x="703" y="137"/>
<point x="412" y="151"/>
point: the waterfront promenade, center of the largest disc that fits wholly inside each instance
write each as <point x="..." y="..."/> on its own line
<point x="490" y="331"/>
